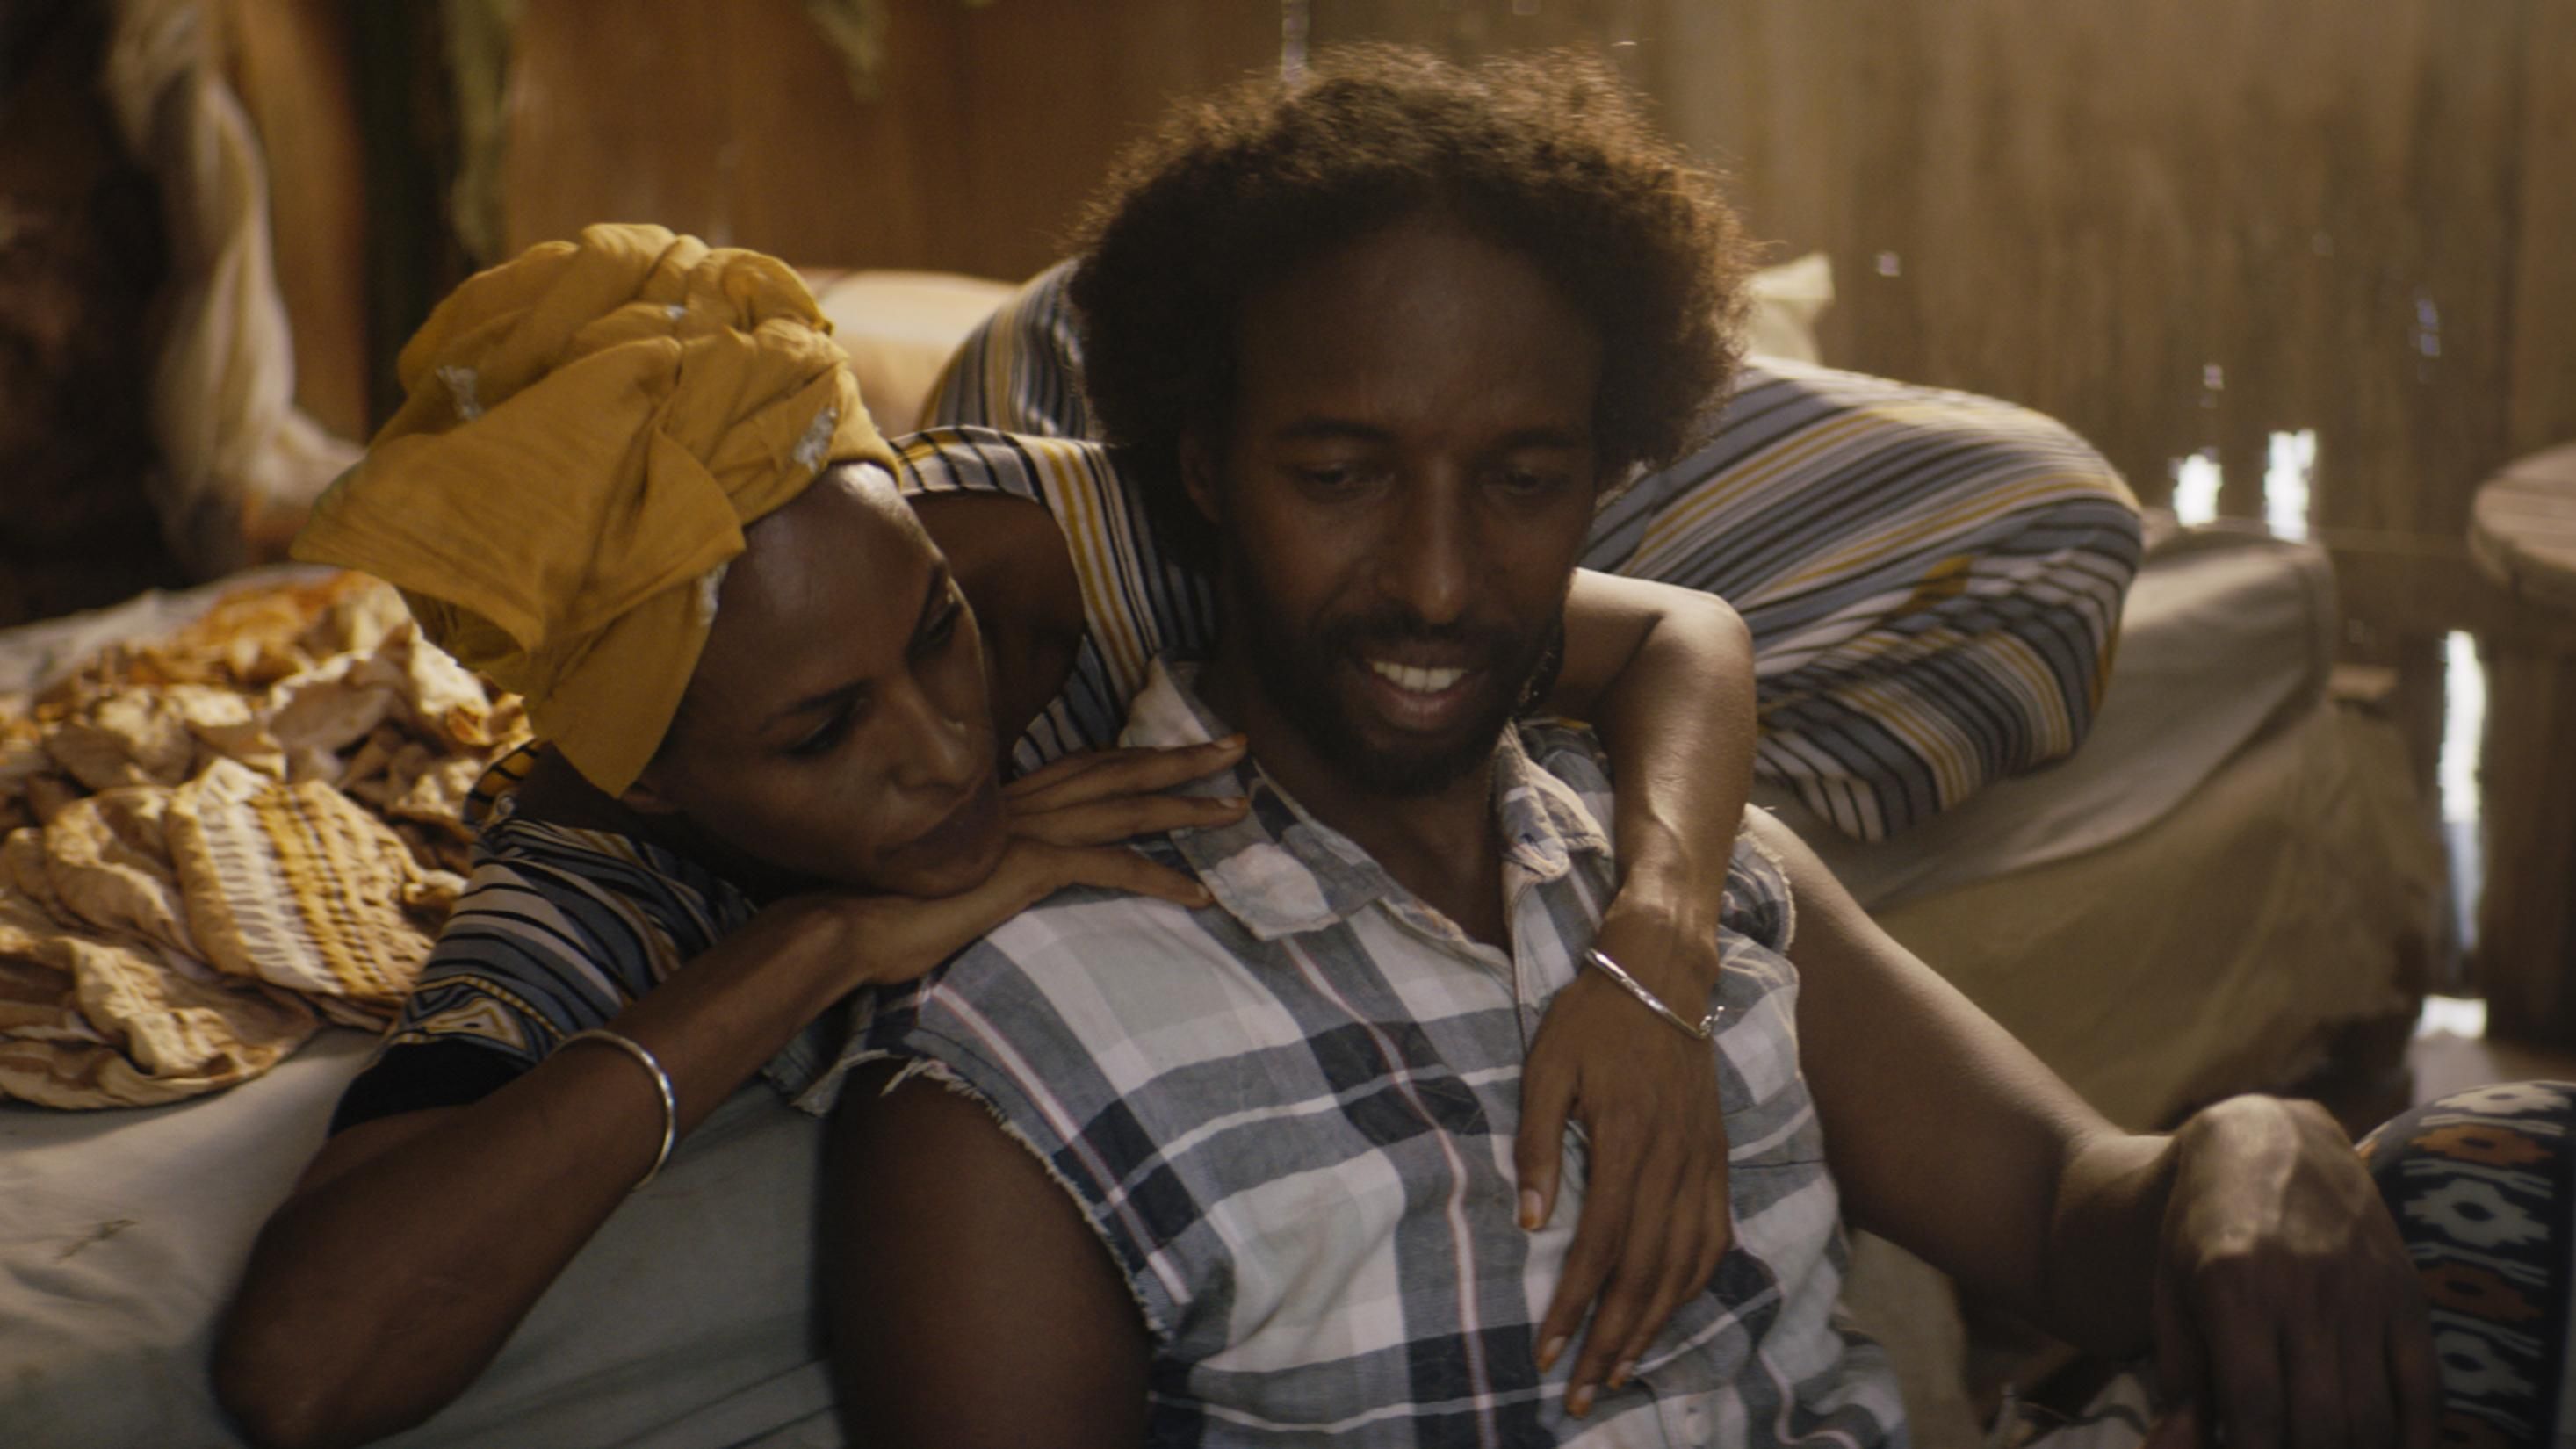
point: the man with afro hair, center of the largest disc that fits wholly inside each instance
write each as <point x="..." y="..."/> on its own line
<point x="1241" y="1174"/>
<point x="1545" y="156"/>
<point x="1931" y="578"/>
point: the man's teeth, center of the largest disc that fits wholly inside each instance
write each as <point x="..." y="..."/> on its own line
<point x="1420" y="681"/>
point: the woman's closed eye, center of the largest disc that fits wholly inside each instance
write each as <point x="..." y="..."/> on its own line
<point x="835" y="728"/>
<point x="841" y="713"/>
<point x="940" y="630"/>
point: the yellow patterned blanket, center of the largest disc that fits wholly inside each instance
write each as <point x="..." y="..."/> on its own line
<point x="218" y="841"/>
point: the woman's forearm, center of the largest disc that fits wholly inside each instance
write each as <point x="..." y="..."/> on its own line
<point x="416" y="1243"/>
<point x="1666" y="675"/>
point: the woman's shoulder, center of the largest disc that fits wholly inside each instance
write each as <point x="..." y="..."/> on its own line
<point x="557" y="871"/>
<point x="980" y="459"/>
<point x="584" y="871"/>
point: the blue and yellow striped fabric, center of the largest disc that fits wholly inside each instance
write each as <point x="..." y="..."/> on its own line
<point x="558" y="931"/>
<point x="1932" y="578"/>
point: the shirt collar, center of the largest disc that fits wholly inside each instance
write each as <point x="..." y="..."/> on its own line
<point x="1281" y="872"/>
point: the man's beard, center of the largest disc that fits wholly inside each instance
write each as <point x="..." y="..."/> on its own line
<point x="1301" y="674"/>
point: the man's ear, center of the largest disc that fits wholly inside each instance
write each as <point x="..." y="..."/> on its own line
<point x="1198" y="474"/>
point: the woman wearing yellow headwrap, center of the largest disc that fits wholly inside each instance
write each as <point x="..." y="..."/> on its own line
<point x="634" y="482"/>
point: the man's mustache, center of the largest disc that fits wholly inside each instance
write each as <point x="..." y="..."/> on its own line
<point x="1472" y="644"/>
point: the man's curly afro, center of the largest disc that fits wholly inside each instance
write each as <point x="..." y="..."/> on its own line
<point x="1547" y="155"/>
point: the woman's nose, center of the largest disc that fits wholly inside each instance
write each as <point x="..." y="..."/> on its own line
<point x="939" y="750"/>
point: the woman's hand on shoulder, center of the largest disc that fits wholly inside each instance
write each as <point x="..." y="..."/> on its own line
<point x="1069" y="824"/>
<point x="1102" y="797"/>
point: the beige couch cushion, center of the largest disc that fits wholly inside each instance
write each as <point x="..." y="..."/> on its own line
<point x="900" y="327"/>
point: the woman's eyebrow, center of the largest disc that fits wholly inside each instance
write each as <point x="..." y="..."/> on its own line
<point x="833" y="698"/>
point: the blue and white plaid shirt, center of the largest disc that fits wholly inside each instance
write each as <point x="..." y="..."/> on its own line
<point x="1290" y="1116"/>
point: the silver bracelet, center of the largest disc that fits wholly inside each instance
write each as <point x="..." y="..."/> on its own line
<point x="1703" y="1030"/>
<point x="661" y="1083"/>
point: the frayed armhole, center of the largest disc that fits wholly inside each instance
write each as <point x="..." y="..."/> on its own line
<point x="1788" y="886"/>
<point x="933" y="1070"/>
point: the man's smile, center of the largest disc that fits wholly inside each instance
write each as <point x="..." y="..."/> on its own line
<point x="1420" y="698"/>
<point x="1416" y="679"/>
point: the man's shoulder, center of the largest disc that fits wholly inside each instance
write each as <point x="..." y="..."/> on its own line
<point x="1080" y="913"/>
<point x="1760" y="902"/>
<point x="1567" y="749"/>
<point x="1083" y="999"/>
<point x="1570" y="755"/>
<point x="1095" y="940"/>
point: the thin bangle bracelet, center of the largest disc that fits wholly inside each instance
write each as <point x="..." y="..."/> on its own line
<point x="1707" y="1025"/>
<point x="661" y="1083"/>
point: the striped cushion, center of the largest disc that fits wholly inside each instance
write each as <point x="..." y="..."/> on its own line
<point x="1932" y="578"/>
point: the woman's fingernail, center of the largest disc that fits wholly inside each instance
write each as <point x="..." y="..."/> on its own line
<point x="1619" y="1376"/>
<point x="1579" y="1403"/>
<point x="1547" y="1353"/>
<point x="1533" y="1210"/>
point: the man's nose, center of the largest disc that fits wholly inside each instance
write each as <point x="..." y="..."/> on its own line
<point x="1429" y="560"/>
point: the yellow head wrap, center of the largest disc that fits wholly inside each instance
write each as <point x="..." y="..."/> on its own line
<point x="587" y="430"/>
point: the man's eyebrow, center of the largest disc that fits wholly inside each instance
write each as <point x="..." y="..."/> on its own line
<point x="1325" y="430"/>
<point x="858" y="689"/>
<point x="1549" y="437"/>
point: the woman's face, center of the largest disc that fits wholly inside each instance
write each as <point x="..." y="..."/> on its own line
<point x="837" y="725"/>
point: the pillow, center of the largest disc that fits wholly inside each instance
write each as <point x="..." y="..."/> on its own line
<point x="900" y="327"/>
<point x="1786" y="301"/>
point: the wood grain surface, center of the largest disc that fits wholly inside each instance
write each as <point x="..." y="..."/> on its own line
<point x="2522" y="529"/>
<point x="2181" y="227"/>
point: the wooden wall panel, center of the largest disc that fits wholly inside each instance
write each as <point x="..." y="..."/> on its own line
<point x="2180" y="226"/>
<point x="2089" y="206"/>
<point x="2543" y="410"/>
<point x="290" y="61"/>
<point x="736" y="122"/>
<point x="1465" y="29"/>
<point x="81" y="257"/>
<point x="1051" y="93"/>
<point x="732" y="121"/>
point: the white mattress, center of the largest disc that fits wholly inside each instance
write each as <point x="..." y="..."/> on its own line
<point x="687" y="1322"/>
<point x="2227" y="633"/>
<point x="2220" y="948"/>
